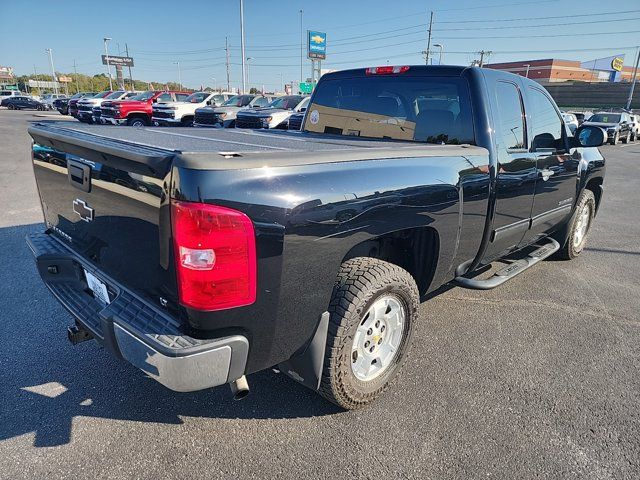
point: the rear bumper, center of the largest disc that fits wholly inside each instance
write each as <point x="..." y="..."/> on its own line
<point x="134" y="329"/>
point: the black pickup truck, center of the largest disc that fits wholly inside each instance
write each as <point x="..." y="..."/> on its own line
<point x="204" y="256"/>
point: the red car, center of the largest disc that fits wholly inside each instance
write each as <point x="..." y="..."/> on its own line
<point x="136" y="111"/>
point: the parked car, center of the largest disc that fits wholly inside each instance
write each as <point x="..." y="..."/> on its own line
<point x="635" y="126"/>
<point x="225" y="115"/>
<point x="23" y="103"/>
<point x="89" y="108"/>
<point x="617" y="125"/>
<point x="581" y="116"/>
<point x="570" y="121"/>
<point x="49" y="98"/>
<point x="10" y="93"/>
<point x="73" y="103"/>
<point x="243" y="264"/>
<point x="62" y="104"/>
<point x="274" y="115"/>
<point x="182" y="112"/>
<point x="136" y="111"/>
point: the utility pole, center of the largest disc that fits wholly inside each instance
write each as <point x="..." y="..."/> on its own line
<point x="53" y="70"/>
<point x="126" y="49"/>
<point x="75" y="69"/>
<point x="226" y="47"/>
<point x="301" y="46"/>
<point x="106" y="52"/>
<point x="428" y="52"/>
<point x="482" y="53"/>
<point x="633" y="81"/>
<point x="244" y="66"/>
<point x="179" y="75"/>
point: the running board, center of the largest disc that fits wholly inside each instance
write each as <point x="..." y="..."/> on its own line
<point x="512" y="270"/>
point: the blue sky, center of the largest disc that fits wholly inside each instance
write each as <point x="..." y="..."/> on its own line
<point x="359" y="33"/>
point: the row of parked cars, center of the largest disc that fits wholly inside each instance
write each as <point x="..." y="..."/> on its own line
<point x="16" y="100"/>
<point x="186" y="109"/>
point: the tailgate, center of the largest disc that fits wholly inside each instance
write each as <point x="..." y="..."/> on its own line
<point x="104" y="198"/>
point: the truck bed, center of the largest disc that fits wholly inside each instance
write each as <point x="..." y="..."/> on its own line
<point x="237" y="148"/>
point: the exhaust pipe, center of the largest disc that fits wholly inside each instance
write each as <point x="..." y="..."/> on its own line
<point x="239" y="388"/>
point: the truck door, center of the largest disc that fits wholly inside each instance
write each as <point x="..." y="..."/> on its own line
<point x="557" y="178"/>
<point x="516" y="177"/>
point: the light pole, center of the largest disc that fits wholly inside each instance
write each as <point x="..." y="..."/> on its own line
<point x="301" y="46"/>
<point x="248" y="83"/>
<point x="441" y="47"/>
<point x="106" y="52"/>
<point x="53" y="70"/>
<point x="526" y="74"/>
<point x="179" y="74"/>
<point x="633" y="80"/>
<point x="244" y="67"/>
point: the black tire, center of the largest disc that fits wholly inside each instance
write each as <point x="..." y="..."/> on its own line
<point x="627" y="138"/>
<point x="360" y="282"/>
<point x="137" y="122"/>
<point x="615" y="138"/>
<point x="633" y="137"/>
<point x="570" y="250"/>
<point x="187" y="122"/>
<point x="11" y="107"/>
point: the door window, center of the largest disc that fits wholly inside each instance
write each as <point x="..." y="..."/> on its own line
<point x="165" y="97"/>
<point x="511" y="126"/>
<point x="547" y="125"/>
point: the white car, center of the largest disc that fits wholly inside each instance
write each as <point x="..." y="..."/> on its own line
<point x="10" y="93"/>
<point x="570" y="121"/>
<point x="635" y="127"/>
<point x="49" y="98"/>
<point x="182" y="113"/>
<point x="89" y="107"/>
<point x="274" y="115"/>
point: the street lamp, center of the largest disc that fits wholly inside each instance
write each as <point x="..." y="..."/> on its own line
<point x="53" y="70"/>
<point x="441" y="47"/>
<point x="179" y="74"/>
<point x="106" y="52"/>
<point x="527" y="72"/>
<point x="248" y="82"/>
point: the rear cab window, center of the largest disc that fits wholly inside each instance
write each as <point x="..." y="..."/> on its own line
<point x="402" y="107"/>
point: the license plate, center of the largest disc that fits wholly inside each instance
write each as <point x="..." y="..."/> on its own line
<point x="98" y="288"/>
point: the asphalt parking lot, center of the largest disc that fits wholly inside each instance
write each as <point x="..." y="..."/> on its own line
<point x="538" y="378"/>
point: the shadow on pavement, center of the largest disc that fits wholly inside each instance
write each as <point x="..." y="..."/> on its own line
<point x="46" y="382"/>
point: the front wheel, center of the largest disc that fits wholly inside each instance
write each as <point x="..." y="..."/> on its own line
<point x="627" y="138"/>
<point x="579" y="226"/>
<point x="614" y="140"/>
<point x="372" y="313"/>
<point x="136" y="122"/>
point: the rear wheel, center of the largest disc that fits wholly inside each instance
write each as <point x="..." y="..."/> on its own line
<point x="372" y="312"/>
<point x="579" y="226"/>
<point x="137" y="122"/>
<point x="187" y="122"/>
<point x="11" y="107"/>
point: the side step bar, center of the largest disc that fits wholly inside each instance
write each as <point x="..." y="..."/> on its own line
<point x="511" y="270"/>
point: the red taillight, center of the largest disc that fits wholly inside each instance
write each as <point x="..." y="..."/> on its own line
<point x="386" y="70"/>
<point x="215" y="251"/>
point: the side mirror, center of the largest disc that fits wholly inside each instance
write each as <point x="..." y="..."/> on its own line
<point x="590" y="136"/>
<point x="303" y="109"/>
<point x="210" y="102"/>
<point x="155" y="100"/>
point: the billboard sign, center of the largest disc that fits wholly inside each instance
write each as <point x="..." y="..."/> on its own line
<point x="64" y="79"/>
<point x="43" y="84"/>
<point x="6" y="72"/>
<point x="617" y="63"/>
<point x="316" y="45"/>
<point x="114" y="60"/>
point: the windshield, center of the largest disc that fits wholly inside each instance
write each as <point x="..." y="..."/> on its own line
<point x="605" y="118"/>
<point x="116" y="94"/>
<point x="238" y="101"/>
<point x="423" y="109"/>
<point x="144" y="96"/>
<point x="287" y="103"/>
<point x="197" y="97"/>
<point x="101" y="94"/>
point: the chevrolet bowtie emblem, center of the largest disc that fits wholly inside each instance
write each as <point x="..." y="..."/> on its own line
<point x="84" y="211"/>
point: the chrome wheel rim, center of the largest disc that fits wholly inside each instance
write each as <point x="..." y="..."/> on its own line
<point x="582" y="226"/>
<point x="378" y="338"/>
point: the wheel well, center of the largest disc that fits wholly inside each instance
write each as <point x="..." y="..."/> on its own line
<point x="414" y="249"/>
<point x="594" y="185"/>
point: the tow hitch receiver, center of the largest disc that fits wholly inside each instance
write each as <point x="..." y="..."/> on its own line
<point x="77" y="334"/>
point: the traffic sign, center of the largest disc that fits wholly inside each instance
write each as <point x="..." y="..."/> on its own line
<point x="306" y="87"/>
